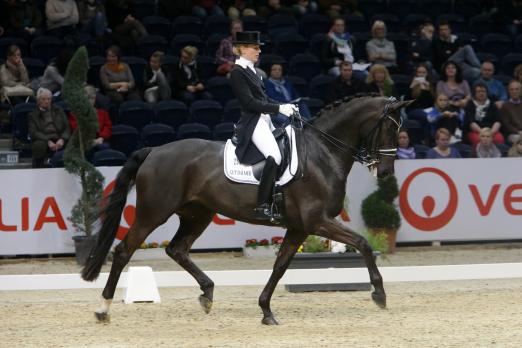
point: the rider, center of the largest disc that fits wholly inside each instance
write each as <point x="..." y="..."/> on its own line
<point x="254" y="125"/>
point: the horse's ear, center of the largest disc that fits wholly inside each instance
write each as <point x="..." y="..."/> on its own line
<point x="400" y="104"/>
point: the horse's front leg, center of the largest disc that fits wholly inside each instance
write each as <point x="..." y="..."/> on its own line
<point x="333" y="230"/>
<point x="293" y="239"/>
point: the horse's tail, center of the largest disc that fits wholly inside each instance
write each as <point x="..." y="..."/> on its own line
<point x="111" y="214"/>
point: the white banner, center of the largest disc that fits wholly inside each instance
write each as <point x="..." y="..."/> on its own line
<point x="466" y="199"/>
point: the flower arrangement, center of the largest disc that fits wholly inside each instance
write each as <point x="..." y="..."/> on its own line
<point x="254" y="243"/>
<point x="153" y="245"/>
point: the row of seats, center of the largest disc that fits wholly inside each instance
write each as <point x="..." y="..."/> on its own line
<point x="465" y="150"/>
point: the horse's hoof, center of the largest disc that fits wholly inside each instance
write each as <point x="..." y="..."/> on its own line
<point x="205" y="303"/>
<point x="102" y="317"/>
<point x="269" y="320"/>
<point x="379" y="299"/>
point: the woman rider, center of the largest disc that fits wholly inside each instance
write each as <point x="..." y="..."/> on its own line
<point x="255" y="126"/>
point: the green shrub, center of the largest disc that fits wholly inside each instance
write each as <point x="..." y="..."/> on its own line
<point x="378" y="209"/>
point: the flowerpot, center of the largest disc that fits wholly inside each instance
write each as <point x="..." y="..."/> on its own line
<point x="328" y="260"/>
<point x="83" y="246"/>
<point x="150" y="254"/>
<point x="260" y="251"/>
<point x="391" y="237"/>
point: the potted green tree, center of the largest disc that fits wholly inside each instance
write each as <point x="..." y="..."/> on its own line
<point x="86" y="211"/>
<point x="380" y="213"/>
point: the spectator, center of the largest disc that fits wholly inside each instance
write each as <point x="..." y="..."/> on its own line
<point x="404" y="150"/>
<point x="14" y="78"/>
<point x="452" y="85"/>
<point x="301" y="7"/>
<point x="156" y="80"/>
<point x="480" y="112"/>
<point x="379" y="49"/>
<point x="505" y="14"/>
<point x="204" y="8"/>
<point x="116" y="78"/>
<point x="52" y="78"/>
<point x="442" y="149"/>
<point x="225" y="56"/>
<point x="93" y="19"/>
<point x="447" y="47"/>
<point x="345" y="85"/>
<point x="517" y="73"/>
<point x="62" y="18"/>
<point x="485" y="148"/>
<point x="379" y="81"/>
<point x="48" y="128"/>
<point x="188" y="84"/>
<point x="26" y="20"/>
<point x="338" y="8"/>
<point x="337" y="48"/>
<point x="443" y="115"/>
<point x="128" y="32"/>
<point x="496" y="89"/>
<point x="273" y="7"/>
<point x="104" y="124"/>
<point x="421" y="88"/>
<point x="240" y="8"/>
<point x="516" y="149"/>
<point x="422" y="46"/>
<point x="510" y="113"/>
<point x="282" y="90"/>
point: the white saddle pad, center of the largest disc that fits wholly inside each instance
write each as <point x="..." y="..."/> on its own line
<point x="243" y="174"/>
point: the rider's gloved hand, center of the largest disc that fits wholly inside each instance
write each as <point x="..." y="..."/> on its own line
<point x="288" y="109"/>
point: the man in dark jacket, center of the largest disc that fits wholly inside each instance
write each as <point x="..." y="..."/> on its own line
<point x="345" y="85"/>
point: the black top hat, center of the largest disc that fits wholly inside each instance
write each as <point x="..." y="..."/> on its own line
<point x="248" y="38"/>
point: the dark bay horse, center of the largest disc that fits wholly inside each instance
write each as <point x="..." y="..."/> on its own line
<point x="186" y="178"/>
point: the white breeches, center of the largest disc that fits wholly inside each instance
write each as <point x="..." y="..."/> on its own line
<point x="264" y="140"/>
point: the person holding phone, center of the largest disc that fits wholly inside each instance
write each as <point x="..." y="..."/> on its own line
<point x="421" y="88"/>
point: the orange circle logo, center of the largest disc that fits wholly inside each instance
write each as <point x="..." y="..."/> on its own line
<point x="429" y="223"/>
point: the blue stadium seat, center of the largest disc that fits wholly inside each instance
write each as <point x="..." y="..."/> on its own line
<point x="194" y="130"/>
<point x="306" y="66"/>
<point x="171" y="112"/>
<point x="93" y="75"/>
<point x="254" y="23"/>
<point x="287" y="45"/>
<point x="136" y="114"/>
<point x="282" y="24"/>
<point x="21" y="124"/>
<point x="142" y="8"/>
<point x="316" y="44"/>
<point x="509" y="62"/>
<point x="217" y="25"/>
<point x="402" y="8"/>
<point x="151" y="43"/>
<point x="213" y="42"/>
<point x="232" y="111"/>
<point x="207" y="112"/>
<point x="181" y="40"/>
<point x="402" y="84"/>
<point x="313" y="23"/>
<point x="319" y="86"/>
<point x="355" y="23"/>
<point x="46" y="47"/>
<point x="435" y="7"/>
<point x="223" y="131"/>
<point x="299" y="83"/>
<point x="157" y="25"/>
<point x="359" y="49"/>
<point x="467" y="8"/>
<point x="108" y="158"/>
<point x="415" y="130"/>
<point x="517" y="43"/>
<point x="137" y="65"/>
<point x="187" y="25"/>
<point x="157" y="134"/>
<point x="314" y="104"/>
<point x="480" y="25"/>
<point x="370" y="7"/>
<point x="124" y="138"/>
<point x="208" y="66"/>
<point x="219" y="87"/>
<point x="497" y="44"/>
<point x="35" y="67"/>
<point x="464" y="150"/>
<point x="421" y="150"/>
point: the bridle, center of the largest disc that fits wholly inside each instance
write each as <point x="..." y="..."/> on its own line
<point x="368" y="153"/>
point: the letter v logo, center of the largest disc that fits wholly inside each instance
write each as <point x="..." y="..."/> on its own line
<point x="484" y="209"/>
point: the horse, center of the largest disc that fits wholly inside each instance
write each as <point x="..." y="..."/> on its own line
<point x="187" y="178"/>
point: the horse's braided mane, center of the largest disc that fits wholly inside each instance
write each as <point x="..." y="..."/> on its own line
<point x="335" y="104"/>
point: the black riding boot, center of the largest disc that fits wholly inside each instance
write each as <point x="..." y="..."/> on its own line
<point x="266" y="187"/>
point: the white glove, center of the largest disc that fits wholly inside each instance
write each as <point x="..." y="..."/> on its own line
<point x="287" y="109"/>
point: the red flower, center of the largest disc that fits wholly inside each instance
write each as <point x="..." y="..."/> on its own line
<point x="263" y="242"/>
<point x="277" y="240"/>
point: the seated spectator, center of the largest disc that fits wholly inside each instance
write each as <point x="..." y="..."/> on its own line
<point x="48" y="128"/>
<point x="337" y="48"/>
<point x="442" y="149"/>
<point x="302" y="7"/>
<point x="282" y="90"/>
<point x="156" y="80"/>
<point x="26" y="20"/>
<point x="104" y="123"/>
<point x="345" y="85"/>
<point x="93" y="20"/>
<point x="52" y="78"/>
<point x="225" y="56"/>
<point x="62" y="18"/>
<point x="447" y="47"/>
<point x="188" y="84"/>
<point x="379" y="81"/>
<point x="128" y="32"/>
<point x="480" y="112"/>
<point x="116" y="78"/>
<point x="452" y="85"/>
<point x="404" y="150"/>
<point x="272" y="7"/>
<point x="422" y="46"/>
<point x="421" y="88"/>
<point x="510" y="114"/>
<point x="485" y="148"/>
<point x="496" y="89"/>
<point x="516" y="149"/>
<point x="443" y="115"/>
<point x="379" y="49"/>
<point x="204" y="8"/>
<point x="241" y="8"/>
<point x="14" y="78"/>
<point x="517" y="73"/>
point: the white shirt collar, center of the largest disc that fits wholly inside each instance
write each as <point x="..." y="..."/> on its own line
<point x="245" y="63"/>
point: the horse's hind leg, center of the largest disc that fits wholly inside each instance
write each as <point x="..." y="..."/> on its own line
<point x="192" y="224"/>
<point x="122" y="254"/>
